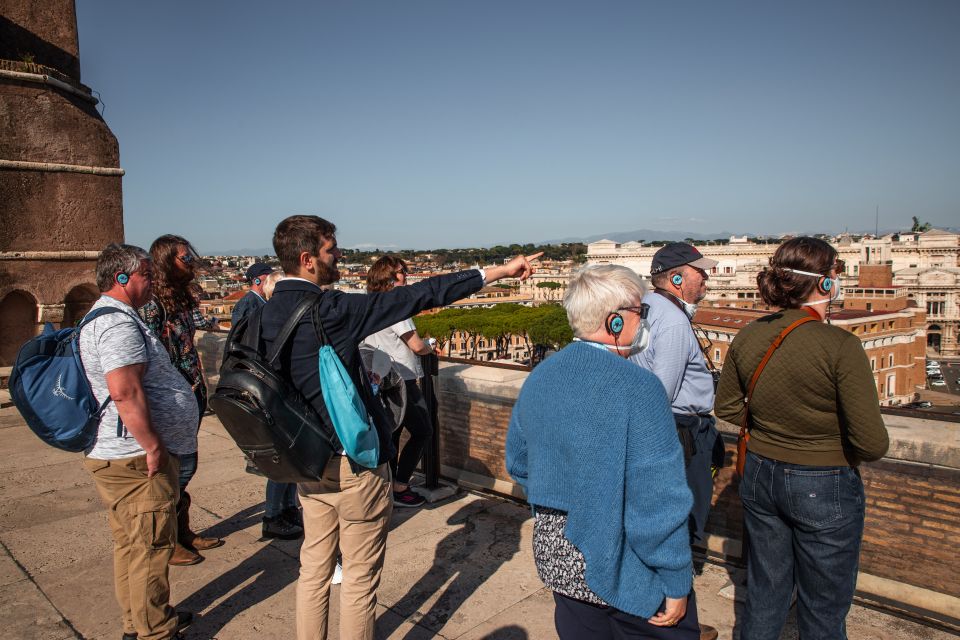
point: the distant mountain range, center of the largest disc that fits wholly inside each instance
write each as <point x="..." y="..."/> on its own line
<point x="647" y="235"/>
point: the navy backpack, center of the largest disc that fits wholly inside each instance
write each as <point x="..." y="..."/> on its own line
<point x="50" y="389"/>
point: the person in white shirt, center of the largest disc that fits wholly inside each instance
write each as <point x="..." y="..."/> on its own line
<point x="403" y="344"/>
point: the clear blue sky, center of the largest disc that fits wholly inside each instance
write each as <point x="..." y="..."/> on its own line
<point x="470" y="123"/>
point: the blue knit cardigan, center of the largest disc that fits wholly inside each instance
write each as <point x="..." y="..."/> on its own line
<point x="592" y="434"/>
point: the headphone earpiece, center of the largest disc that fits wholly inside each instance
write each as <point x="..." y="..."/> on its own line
<point x="122" y="279"/>
<point x="614" y="324"/>
<point x="677" y="279"/>
<point x="257" y="281"/>
<point x="825" y="284"/>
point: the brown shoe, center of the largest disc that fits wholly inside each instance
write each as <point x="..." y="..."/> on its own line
<point x="708" y="633"/>
<point x="183" y="557"/>
<point x="185" y="535"/>
<point x="202" y="544"/>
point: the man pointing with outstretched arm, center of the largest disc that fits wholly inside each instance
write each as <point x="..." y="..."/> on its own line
<point x="351" y="505"/>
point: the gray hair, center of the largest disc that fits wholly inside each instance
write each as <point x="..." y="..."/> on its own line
<point x="595" y="292"/>
<point x="270" y="282"/>
<point x="118" y="258"/>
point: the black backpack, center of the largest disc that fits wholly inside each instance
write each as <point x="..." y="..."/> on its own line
<point x="271" y="422"/>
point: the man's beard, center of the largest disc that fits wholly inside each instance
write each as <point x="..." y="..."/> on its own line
<point x="326" y="274"/>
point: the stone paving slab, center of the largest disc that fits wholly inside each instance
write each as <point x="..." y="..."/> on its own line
<point x="28" y="615"/>
<point x="460" y="569"/>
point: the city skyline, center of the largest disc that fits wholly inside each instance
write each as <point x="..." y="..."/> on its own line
<point x="433" y="124"/>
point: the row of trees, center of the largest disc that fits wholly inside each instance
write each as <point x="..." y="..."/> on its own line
<point x="576" y="251"/>
<point x="542" y="328"/>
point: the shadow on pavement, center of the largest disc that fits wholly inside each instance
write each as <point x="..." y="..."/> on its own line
<point x="465" y="558"/>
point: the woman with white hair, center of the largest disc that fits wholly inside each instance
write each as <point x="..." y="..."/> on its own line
<point x="593" y="443"/>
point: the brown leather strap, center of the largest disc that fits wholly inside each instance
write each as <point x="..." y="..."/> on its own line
<point x="766" y="358"/>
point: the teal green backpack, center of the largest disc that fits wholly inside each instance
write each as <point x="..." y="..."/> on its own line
<point x="349" y="416"/>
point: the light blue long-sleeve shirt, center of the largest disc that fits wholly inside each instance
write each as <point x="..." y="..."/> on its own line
<point x="674" y="356"/>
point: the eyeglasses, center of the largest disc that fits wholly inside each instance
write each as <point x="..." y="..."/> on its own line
<point x="186" y="258"/>
<point x="641" y="311"/>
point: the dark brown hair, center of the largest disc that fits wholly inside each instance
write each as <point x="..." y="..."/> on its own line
<point x="297" y="234"/>
<point x="174" y="290"/>
<point x="788" y="290"/>
<point x="382" y="275"/>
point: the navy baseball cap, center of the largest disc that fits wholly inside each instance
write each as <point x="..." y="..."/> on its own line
<point x="677" y="254"/>
<point x="258" y="269"/>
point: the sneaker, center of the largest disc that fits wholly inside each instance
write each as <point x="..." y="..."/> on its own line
<point x="184" y="619"/>
<point x="293" y="515"/>
<point x="279" y="528"/>
<point x="407" y="498"/>
<point x="337" y="574"/>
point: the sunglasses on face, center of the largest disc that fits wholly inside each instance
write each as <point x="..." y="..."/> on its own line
<point x="186" y="259"/>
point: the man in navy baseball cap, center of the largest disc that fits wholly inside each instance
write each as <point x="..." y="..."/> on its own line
<point x="679" y="275"/>
<point x="257" y="270"/>
<point x="677" y="254"/>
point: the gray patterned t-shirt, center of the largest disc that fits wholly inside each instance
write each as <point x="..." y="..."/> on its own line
<point x="121" y="339"/>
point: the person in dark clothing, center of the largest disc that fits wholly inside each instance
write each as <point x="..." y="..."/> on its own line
<point x="255" y="297"/>
<point x="281" y="511"/>
<point x="350" y="505"/>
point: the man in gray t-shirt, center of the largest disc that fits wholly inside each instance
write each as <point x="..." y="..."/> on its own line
<point x="150" y="420"/>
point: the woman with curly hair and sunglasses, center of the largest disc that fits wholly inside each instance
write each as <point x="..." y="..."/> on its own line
<point x="174" y="316"/>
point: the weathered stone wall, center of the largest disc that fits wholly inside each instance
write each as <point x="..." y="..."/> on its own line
<point x="59" y="216"/>
<point x="41" y="31"/>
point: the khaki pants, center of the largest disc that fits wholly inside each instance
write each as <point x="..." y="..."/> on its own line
<point x="350" y="511"/>
<point x="143" y="519"/>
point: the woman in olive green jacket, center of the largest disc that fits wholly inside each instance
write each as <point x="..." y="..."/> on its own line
<point x="814" y="416"/>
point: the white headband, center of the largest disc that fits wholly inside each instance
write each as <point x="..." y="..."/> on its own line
<point x="805" y="273"/>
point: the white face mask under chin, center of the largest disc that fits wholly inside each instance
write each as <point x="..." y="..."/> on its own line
<point x="689" y="308"/>
<point x="640" y="341"/>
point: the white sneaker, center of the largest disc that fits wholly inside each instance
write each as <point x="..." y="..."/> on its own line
<point x="337" y="575"/>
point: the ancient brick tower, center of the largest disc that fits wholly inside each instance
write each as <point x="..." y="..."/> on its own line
<point x="60" y="189"/>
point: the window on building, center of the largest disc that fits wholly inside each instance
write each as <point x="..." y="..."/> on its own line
<point x="935" y="307"/>
<point x="891" y="385"/>
<point x="890" y="360"/>
<point x="873" y="364"/>
<point x="716" y="355"/>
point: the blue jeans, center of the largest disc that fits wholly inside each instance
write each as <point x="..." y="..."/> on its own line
<point x="804" y="526"/>
<point x="188" y="467"/>
<point x="280" y="496"/>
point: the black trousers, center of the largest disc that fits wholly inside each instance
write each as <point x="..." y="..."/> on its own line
<point x="416" y="420"/>
<point x="576" y="620"/>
